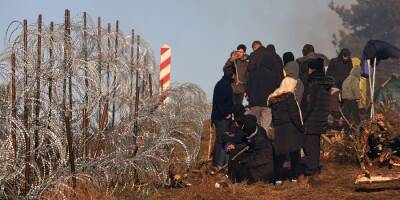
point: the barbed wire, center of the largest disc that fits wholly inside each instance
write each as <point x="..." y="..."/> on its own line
<point x="102" y="71"/>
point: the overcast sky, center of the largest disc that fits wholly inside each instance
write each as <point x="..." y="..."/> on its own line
<point x="201" y="33"/>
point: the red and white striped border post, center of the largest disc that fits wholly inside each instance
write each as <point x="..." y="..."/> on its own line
<point x="165" y="67"/>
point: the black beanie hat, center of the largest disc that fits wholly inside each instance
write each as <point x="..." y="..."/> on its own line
<point x="250" y="124"/>
<point x="317" y="64"/>
<point x="287" y="57"/>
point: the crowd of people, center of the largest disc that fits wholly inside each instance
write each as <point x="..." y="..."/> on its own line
<point x="289" y="101"/>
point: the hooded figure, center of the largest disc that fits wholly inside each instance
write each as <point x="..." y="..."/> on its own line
<point x="288" y="124"/>
<point x="315" y="107"/>
<point x="364" y="99"/>
<point x="351" y="85"/>
<point x="351" y="96"/>
<point x="291" y="69"/>
<point x="258" y="159"/>
<point x="339" y="68"/>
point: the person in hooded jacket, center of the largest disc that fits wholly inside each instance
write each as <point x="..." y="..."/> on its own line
<point x="288" y="126"/>
<point x="221" y="115"/>
<point x="351" y="96"/>
<point x="292" y="69"/>
<point x="308" y="56"/>
<point x="239" y="61"/>
<point x="315" y="108"/>
<point x="258" y="159"/>
<point x="339" y="68"/>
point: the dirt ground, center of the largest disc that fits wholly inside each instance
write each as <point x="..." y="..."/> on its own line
<point x="335" y="182"/>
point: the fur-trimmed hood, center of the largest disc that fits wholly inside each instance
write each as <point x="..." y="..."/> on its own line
<point x="279" y="98"/>
<point x="288" y="86"/>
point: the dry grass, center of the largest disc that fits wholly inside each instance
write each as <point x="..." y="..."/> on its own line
<point x="335" y="182"/>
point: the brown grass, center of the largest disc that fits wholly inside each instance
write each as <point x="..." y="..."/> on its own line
<point x="335" y="182"/>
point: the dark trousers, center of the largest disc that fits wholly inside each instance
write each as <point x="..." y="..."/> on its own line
<point x="351" y="111"/>
<point x="295" y="166"/>
<point x="238" y="98"/>
<point x="220" y="156"/>
<point x="312" y="154"/>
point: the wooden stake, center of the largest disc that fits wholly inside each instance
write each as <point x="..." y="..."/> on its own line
<point x="68" y="114"/>
<point x="37" y="96"/>
<point x="210" y="141"/>
<point x="131" y="70"/>
<point x="50" y="79"/>
<point x="13" y="106"/>
<point x="114" y="77"/>
<point x="150" y="85"/>
<point x="99" y="58"/>
<point x="85" y="122"/>
<point x="26" y="111"/>
<point x="135" y="127"/>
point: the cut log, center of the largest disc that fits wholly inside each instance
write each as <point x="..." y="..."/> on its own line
<point x="376" y="179"/>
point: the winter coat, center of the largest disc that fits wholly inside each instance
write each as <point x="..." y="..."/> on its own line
<point x="255" y="59"/>
<point x="315" y="103"/>
<point x="351" y="86"/>
<point x="222" y="102"/>
<point x="276" y="63"/>
<point x="261" y="83"/>
<point x="240" y="65"/>
<point x="292" y="70"/>
<point x="258" y="160"/>
<point x="339" y="69"/>
<point x="303" y="64"/>
<point x="287" y="123"/>
<point x="263" y="57"/>
<point x="236" y="171"/>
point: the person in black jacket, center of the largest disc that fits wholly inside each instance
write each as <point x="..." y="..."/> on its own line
<point x="222" y="104"/>
<point x="339" y="68"/>
<point x="262" y="81"/>
<point x="277" y="62"/>
<point x="288" y="126"/>
<point x="315" y="107"/>
<point x="308" y="56"/>
<point x="235" y="141"/>
<point x="265" y="57"/>
<point x="258" y="160"/>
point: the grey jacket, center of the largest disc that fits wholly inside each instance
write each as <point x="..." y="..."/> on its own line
<point x="292" y="70"/>
<point x="241" y="66"/>
<point x="351" y="85"/>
